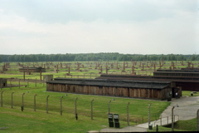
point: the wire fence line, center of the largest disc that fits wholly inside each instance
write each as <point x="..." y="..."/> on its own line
<point x="29" y="101"/>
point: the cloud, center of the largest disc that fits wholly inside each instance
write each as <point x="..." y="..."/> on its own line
<point x="80" y="26"/>
<point x="63" y="11"/>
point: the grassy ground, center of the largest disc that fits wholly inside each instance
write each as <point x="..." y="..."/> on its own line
<point x="40" y="121"/>
<point x="188" y="93"/>
<point x="29" y="121"/>
<point x="189" y="125"/>
<point x="165" y="129"/>
<point x="88" y="68"/>
<point x="181" y="125"/>
<point x="14" y="120"/>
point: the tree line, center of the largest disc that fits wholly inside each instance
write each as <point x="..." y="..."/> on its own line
<point x="97" y="57"/>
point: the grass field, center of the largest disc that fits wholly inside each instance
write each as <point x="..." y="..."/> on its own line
<point x="40" y="121"/>
<point x="28" y="120"/>
<point x="92" y="69"/>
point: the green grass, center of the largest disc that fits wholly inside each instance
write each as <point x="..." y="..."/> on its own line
<point x="181" y="125"/>
<point x="39" y="121"/>
<point x="165" y="129"/>
<point x="189" y="125"/>
<point x="29" y="121"/>
<point x="88" y="69"/>
<point x="188" y="93"/>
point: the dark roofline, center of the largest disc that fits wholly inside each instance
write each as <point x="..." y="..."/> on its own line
<point x="34" y="69"/>
<point x="112" y="80"/>
<point x="189" y="72"/>
<point x="31" y="68"/>
<point x="150" y="78"/>
<point x="112" y="83"/>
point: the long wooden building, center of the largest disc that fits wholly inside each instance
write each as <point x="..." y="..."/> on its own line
<point x="186" y="79"/>
<point x="123" y="88"/>
<point x="164" y="84"/>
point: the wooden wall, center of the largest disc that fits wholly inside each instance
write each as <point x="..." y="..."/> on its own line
<point x="111" y="91"/>
<point x="190" y="86"/>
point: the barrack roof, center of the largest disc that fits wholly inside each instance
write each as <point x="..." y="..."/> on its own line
<point x="113" y="83"/>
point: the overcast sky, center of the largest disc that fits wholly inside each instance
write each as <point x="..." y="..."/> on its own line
<point x="93" y="26"/>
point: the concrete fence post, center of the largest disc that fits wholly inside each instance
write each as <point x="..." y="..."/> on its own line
<point x="35" y="102"/>
<point x="92" y="109"/>
<point x="40" y="75"/>
<point x="61" y="105"/>
<point x="22" y="102"/>
<point x="149" y="115"/>
<point x="47" y="104"/>
<point x="12" y="100"/>
<point x="109" y="110"/>
<point x="2" y="98"/>
<point x="76" y="115"/>
<point x="127" y="112"/>
<point x="172" y="118"/>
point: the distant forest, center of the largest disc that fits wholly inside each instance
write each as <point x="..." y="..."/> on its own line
<point x="97" y="57"/>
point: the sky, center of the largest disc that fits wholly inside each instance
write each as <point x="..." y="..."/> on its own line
<point x="94" y="26"/>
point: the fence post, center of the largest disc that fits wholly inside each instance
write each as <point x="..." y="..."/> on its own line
<point x="127" y="112"/>
<point x="61" y="105"/>
<point x="47" y="104"/>
<point x="149" y="115"/>
<point x="22" y="102"/>
<point x="76" y="115"/>
<point x="35" y="102"/>
<point x="92" y="109"/>
<point x="109" y="108"/>
<point x="12" y="100"/>
<point x="2" y="98"/>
